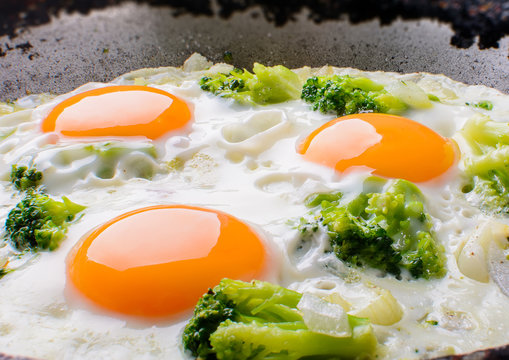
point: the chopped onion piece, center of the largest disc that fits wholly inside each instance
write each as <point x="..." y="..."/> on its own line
<point x="382" y="310"/>
<point x="485" y="243"/>
<point x="335" y="298"/>
<point x="498" y="257"/>
<point x="323" y="317"/>
<point x="410" y="94"/>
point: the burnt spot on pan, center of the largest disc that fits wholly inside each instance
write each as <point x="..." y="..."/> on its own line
<point x="15" y="15"/>
<point x="498" y="353"/>
<point x="469" y="18"/>
<point x="487" y="20"/>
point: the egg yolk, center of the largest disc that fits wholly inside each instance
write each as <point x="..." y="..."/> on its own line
<point x="392" y="146"/>
<point x="156" y="262"/>
<point x="118" y="111"/>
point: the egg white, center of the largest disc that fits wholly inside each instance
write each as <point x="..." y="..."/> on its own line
<point x="240" y="160"/>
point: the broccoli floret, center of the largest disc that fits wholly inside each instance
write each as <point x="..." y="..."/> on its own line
<point x="345" y="95"/>
<point x="487" y="165"/>
<point x="39" y="222"/>
<point x="357" y="242"/>
<point x="385" y="228"/>
<point x="266" y="85"/>
<point x="24" y="178"/>
<point x="259" y="320"/>
<point x="208" y="314"/>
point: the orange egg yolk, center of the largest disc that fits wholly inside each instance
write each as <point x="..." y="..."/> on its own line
<point x="392" y="146"/>
<point x="156" y="262"/>
<point x="118" y="111"/>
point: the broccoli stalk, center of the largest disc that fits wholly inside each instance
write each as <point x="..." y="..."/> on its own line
<point x="345" y="95"/>
<point x="39" y="222"/>
<point x="266" y="85"/>
<point x="483" y="135"/>
<point x="259" y="320"/>
<point x="385" y="228"/>
<point x="487" y="167"/>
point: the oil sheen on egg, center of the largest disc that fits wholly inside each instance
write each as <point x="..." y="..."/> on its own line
<point x="225" y="182"/>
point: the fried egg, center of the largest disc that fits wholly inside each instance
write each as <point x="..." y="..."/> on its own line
<point x="153" y="157"/>
<point x="123" y="111"/>
<point x="122" y="268"/>
<point x="393" y="146"/>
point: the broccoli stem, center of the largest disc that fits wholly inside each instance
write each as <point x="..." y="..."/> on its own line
<point x="282" y="341"/>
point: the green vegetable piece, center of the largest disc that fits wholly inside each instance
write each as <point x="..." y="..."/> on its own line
<point x="387" y="229"/>
<point x="345" y="95"/>
<point x="411" y="94"/>
<point x="266" y="85"/>
<point x="227" y="56"/>
<point x="4" y="272"/>
<point x="275" y="84"/>
<point x="259" y="320"/>
<point x="433" y="98"/>
<point x="483" y="134"/>
<point x="39" y="222"/>
<point x="487" y="167"/>
<point x="484" y="104"/>
<point x="110" y="153"/>
<point x="365" y="84"/>
<point x="359" y="243"/>
<point x="317" y="199"/>
<point x="24" y="178"/>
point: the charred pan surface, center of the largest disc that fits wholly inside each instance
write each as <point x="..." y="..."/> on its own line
<point x="469" y="18"/>
<point x="498" y="353"/>
<point x="489" y="20"/>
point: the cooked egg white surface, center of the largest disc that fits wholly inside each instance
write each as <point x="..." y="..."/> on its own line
<point x="242" y="161"/>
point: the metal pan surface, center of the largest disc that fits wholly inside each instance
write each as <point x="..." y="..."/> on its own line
<point x="51" y="46"/>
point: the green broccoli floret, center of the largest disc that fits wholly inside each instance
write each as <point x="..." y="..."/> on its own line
<point x="357" y="242"/>
<point x="24" y="178"/>
<point x="345" y="95"/>
<point x="39" y="222"/>
<point x="487" y="166"/>
<point x="266" y="85"/>
<point x="385" y="227"/>
<point x="259" y="320"/>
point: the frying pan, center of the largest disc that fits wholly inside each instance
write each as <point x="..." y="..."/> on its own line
<point x="46" y="49"/>
<point x="56" y="45"/>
